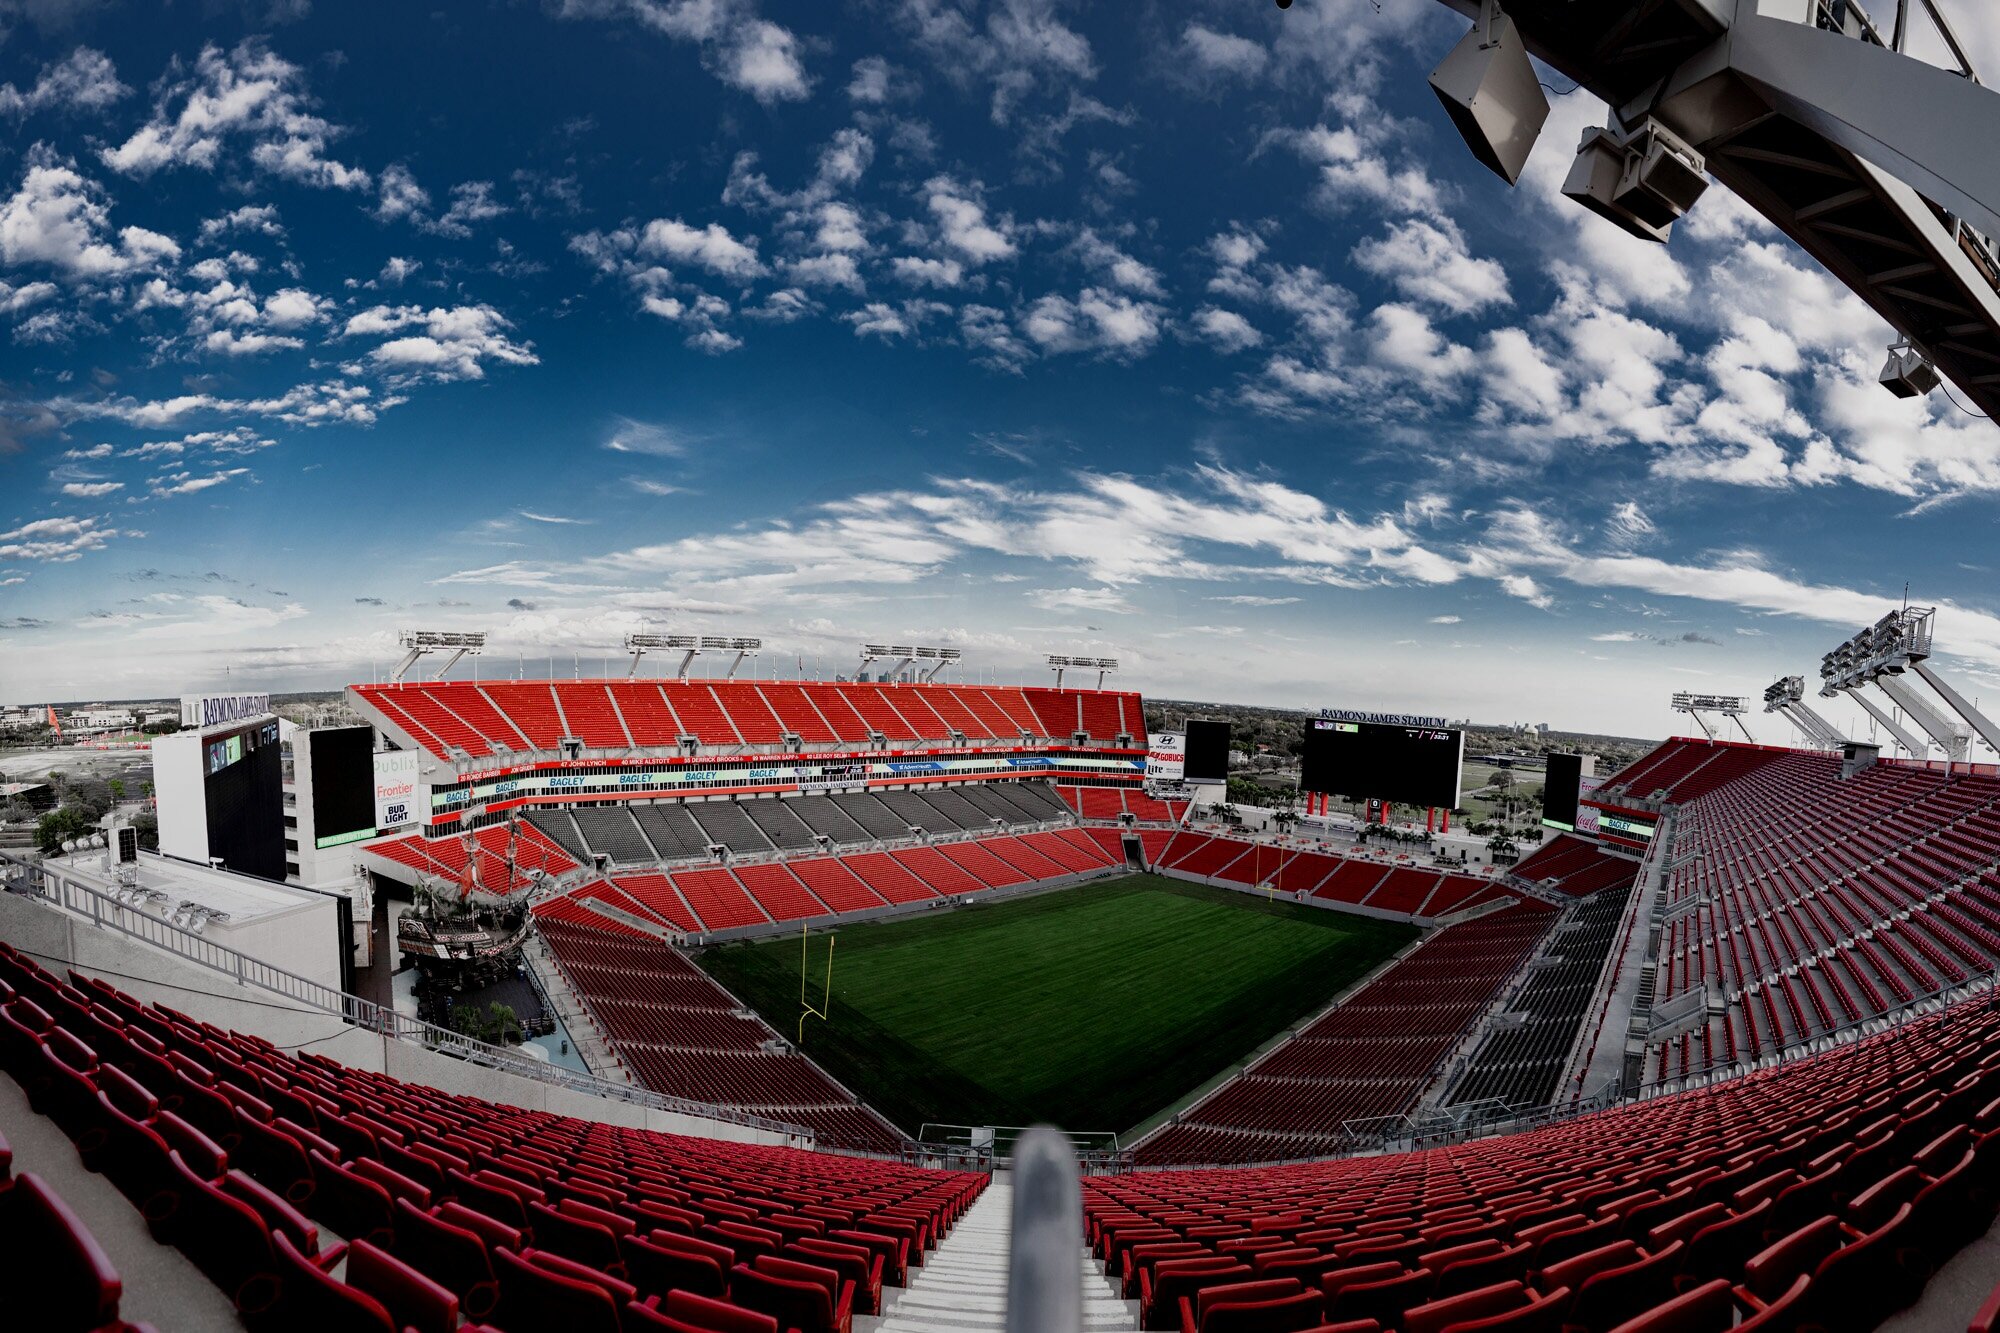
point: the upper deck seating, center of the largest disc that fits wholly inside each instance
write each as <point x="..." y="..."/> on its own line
<point x="1810" y="902"/>
<point x="478" y="720"/>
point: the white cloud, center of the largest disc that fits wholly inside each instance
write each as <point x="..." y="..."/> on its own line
<point x="228" y="342"/>
<point x="471" y="202"/>
<point x="13" y="300"/>
<point x="85" y="80"/>
<point x="1117" y="267"/>
<point x="1446" y="620"/>
<point x="91" y="490"/>
<point x="1226" y="329"/>
<point x="744" y="51"/>
<point x="190" y="483"/>
<point x="1097" y="320"/>
<point x="399" y="195"/>
<point x="59" y="219"/>
<point x="455" y="344"/>
<point x="1021" y="49"/>
<point x="1428" y="261"/>
<point x="249" y="94"/>
<point x="1081" y="599"/>
<point x="643" y="437"/>
<point x="1525" y="588"/>
<point x="962" y="221"/>
<point x="257" y="219"/>
<point x="55" y="539"/>
<point x="876" y="82"/>
<point x="304" y="405"/>
<point x="710" y="247"/>
<point x="923" y="272"/>
<point x="1223" y="53"/>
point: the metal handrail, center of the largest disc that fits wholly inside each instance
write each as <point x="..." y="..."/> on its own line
<point x="53" y="885"/>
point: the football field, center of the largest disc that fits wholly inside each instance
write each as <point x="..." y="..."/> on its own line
<point x="1090" y="1007"/>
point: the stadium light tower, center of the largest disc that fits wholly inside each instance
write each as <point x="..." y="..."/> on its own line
<point x="639" y="644"/>
<point x="939" y="659"/>
<point x="1697" y="706"/>
<point x="422" y="641"/>
<point x="1877" y="163"/>
<point x="1880" y="654"/>
<point x="1787" y="696"/>
<point x="1058" y="662"/>
<point x="741" y="647"/>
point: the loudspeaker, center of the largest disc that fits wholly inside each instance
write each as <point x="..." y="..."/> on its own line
<point x="1489" y="89"/>
<point x="1908" y="375"/>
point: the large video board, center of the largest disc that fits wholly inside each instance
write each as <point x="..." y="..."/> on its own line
<point x="342" y="760"/>
<point x="1405" y="765"/>
<point x="1560" y="789"/>
<point x="244" y="798"/>
<point x="1207" y="752"/>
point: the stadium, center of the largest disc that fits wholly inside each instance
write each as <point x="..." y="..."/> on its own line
<point x="897" y="998"/>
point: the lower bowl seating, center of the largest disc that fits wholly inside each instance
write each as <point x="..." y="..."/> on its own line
<point x="243" y="1156"/>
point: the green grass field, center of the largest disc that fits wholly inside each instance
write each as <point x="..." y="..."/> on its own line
<point x="1091" y="1007"/>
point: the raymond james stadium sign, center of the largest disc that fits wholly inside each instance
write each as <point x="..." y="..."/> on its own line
<point x="1384" y="719"/>
<point x="205" y="710"/>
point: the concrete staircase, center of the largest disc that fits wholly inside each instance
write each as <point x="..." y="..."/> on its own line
<point x="962" y="1287"/>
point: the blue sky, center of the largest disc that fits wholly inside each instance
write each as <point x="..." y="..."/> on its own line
<point x="1184" y="333"/>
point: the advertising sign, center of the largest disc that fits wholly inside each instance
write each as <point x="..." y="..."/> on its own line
<point x="206" y="710"/>
<point x="1166" y="756"/>
<point x="396" y="788"/>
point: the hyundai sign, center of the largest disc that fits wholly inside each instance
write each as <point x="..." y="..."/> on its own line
<point x="208" y="710"/>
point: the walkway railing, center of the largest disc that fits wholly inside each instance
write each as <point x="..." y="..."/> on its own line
<point x="55" y="885"/>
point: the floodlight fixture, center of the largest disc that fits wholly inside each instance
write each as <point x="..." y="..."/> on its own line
<point x="725" y="643"/>
<point x="459" y="643"/>
<point x="939" y="658"/>
<point x="1698" y="706"/>
<point x="1058" y="662"/>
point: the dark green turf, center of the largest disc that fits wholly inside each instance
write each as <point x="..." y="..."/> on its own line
<point x="1090" y="1007"/>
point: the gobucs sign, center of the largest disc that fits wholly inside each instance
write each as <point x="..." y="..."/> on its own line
<point x="206" y="710"/>
<point x="1166" y="756"/>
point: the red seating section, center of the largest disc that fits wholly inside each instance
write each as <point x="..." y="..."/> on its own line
<point x="1575" y="866"/>
<point x="503" y="717"/>
<point x="1810" y="901"/>
<point x="1817" y="1195"/>
<point x="1372" y="1056"/>
<point x="60" y="1272"/>
<point x="676" y="1029"/>
<point x="1109" y="803"/>
<point x="455" y="1206"/>
<point x="1407" y="890"/>
<point x="1681" y="770"/>
<point x="446" y="857"/>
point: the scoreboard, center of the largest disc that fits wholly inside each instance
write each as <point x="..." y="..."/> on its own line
<point x="1405" y="765"/>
